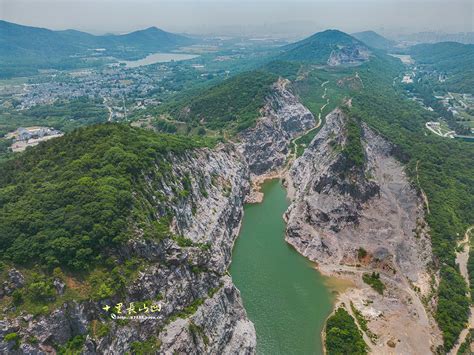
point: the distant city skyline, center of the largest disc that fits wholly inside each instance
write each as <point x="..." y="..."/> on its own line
<point x="283" y="18"/>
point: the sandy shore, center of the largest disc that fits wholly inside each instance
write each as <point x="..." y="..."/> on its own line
<point x="256" y="195"/>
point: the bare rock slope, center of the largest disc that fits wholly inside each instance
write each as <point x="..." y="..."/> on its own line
<point x="349" y="55"/>
<point x="352" y="220"/>
<point x="202" y="310"/>
<point x="266" y="146"/>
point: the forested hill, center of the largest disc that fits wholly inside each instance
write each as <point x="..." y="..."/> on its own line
<point x="319" y="47"/>
<point x="374" y="40"/>
<point x="232" y="105"/>
<point x="450" y="58"/>
<point x="443" y="54"/>
<point x="70" y="201"/>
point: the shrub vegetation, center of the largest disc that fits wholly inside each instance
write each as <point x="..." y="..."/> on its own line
<point x="343" y="336"/>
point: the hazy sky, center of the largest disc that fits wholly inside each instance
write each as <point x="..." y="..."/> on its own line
<point x="294" y="18"/>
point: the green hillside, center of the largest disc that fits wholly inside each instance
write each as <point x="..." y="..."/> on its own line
<point x="71" y="201"/>
<point x="233" y="104"/>
<point x="318" y="47"/>
<point x="374" y="40"/>
<point x="445" y="173"/>
<point x="452" y="58"/>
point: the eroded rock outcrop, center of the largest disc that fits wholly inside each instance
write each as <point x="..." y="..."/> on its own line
<point x="349" y="55"/>
<point x="266" y="146"/>
<point x="202" y="311"/>
<point x="353" y="220"/>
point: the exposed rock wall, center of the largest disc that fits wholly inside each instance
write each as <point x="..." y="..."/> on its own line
<point x="202" y="311"/>
<point x="338" y="209"/>
<point x="266" y="146"/>
<point x="352" y="55"/>
<point x="204" y="190"/>
<point x="226" y="329"/>
<point x="219" y="185"/>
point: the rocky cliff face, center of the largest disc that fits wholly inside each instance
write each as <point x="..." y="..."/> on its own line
<point x="351" y="54"/>
<point x="350" y="220"/>
<point x="266" y="146"/>
<point x="202" y="311"/>
<point x="355" y="220"/>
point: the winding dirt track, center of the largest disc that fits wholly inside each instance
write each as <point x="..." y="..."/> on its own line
<point x="315" y="127"/>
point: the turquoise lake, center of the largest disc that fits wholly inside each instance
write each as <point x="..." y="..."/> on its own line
<point x="285" y="297"/>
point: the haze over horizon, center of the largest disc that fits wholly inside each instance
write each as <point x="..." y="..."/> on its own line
<point x="235" y="17"/>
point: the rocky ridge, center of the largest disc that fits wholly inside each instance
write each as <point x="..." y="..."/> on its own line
<point x="266" y="146"/>
<point x="202" y="311"/>
<point x="355" y="220"/>
<point x="337" y="210"/>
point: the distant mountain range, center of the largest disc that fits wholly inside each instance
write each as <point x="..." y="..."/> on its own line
<point x="374" y="40"/>
<point x="435" y="37"/>
<point x="33" y="47"/>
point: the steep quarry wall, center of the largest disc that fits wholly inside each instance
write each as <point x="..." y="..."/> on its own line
<point x="349" y="55"/>
<point x="202" y="311"/>
<point x="209" y="216"/>
<point x="353" y="220"/>
<point x="266" y="146"/>
<point x="337" y="211"/>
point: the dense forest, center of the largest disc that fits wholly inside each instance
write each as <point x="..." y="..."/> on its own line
<point x="233" y="104"/>
<point x="68" y="202"/>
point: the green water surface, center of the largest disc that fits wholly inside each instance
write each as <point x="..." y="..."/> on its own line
<point x="284" y="296"/>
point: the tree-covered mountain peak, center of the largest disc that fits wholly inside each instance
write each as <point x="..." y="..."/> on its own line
<point x="374" y="40"/>
<point x="332" y="47"/>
